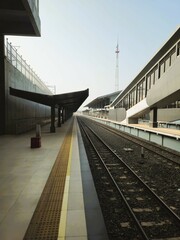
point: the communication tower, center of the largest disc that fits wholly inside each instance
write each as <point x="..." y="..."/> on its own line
<point x="117" y="68"/>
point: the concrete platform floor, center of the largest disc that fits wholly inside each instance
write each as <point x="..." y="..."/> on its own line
<point x="23" y="174"/>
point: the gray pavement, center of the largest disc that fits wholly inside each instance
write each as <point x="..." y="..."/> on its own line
<point x="23" y="174"/>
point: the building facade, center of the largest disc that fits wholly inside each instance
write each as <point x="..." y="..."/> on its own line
<point x="154" y="94"/>
<point x="19" y="17"/>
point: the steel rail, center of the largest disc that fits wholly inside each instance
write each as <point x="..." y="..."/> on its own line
<point x="147" y="187"/>
<point x="139" y="142"/>
<point x="117" y="187"/>
<point x="152" y="192"/>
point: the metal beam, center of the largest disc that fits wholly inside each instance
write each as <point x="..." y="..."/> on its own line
<point x="52" y="127"/>
<point x="2" y="86"/>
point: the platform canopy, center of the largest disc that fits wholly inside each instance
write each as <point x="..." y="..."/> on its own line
<point x="71" y="101"/>
<point x="102" y="101"/>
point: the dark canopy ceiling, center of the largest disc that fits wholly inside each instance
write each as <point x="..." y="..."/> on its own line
<point x="71" y="101"/>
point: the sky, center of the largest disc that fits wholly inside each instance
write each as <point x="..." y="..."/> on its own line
<point x="78" y="40"/>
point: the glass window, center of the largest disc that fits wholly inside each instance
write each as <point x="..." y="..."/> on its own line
<point x="144" y="89"/>
<point x="152" y="77"/>
<point x="162" y="68"/>
<point x="126" y="102"/>
<point x="148" y="82"/>
<point x="155" y="75"/>
<point x="132" y="98"/>
<point x="141" y="90"/>
<point x="178" y="104"/>
<point x="178" y="49"/>
<point x="167" y="63"/>
<point x="172" y="56"/>
<point x="120" y="105"/>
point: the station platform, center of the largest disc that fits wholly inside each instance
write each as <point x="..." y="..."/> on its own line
<point x="165" y="131"/>
<point x="24" y="173"/>
<point x="166" y="137"/>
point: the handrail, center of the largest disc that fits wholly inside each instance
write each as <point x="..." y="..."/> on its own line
<point x="19" y="63"/>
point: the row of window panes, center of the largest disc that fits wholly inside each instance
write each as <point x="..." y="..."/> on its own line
<point x="141" y="90"/>
<point x="174" y="105"/>
<point x="152" y="77"/>
<point x="139" y="93"/>
<point x="132" y="98"/>
<point x="167" y="61"/>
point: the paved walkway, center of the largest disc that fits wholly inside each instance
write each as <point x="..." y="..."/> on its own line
<point x="23" y="174"/>
<point x="166" y="131"/>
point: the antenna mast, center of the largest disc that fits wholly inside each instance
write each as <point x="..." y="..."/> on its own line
<point x="117" y="68"/>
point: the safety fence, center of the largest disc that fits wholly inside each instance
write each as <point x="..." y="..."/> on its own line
<point x="19" y="63"/>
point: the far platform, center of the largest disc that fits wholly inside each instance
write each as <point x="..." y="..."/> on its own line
<point x="166" y="137"/>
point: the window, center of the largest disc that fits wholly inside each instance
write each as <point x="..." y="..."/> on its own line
<point x="149" y="82"/>
<point x="132" y="98"/>
<point x="178" y="49"/>
<point x="167" y="62"/>
<point x="162" y="68"/>
<point x="172" y="56"/>
<point x="155" y="75"/>
<point x="141" y="87"/>
<point x="144" y="88"/>
<point x="151" y="79"/>
<point x="126" y="102"/>
<point x="120" y="104"/>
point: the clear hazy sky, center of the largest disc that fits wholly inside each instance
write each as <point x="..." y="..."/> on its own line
<point x="76" y="49"/>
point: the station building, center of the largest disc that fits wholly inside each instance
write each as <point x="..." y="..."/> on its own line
<point x="99" y="106"/>
<point x="153" y="96"/>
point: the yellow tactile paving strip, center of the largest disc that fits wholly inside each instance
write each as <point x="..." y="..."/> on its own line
<point x="45" y="221"/>
<point x="74" y="209"/>
<point x="63" y="214"/>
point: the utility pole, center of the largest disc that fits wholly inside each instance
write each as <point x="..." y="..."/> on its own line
<point x="117" y="69"/>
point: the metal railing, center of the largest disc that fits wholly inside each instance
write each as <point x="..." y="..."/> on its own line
<point x="19" y="63"/>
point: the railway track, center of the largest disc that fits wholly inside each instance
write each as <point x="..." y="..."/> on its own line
<point x="169" y="154"/>
<point x="135" y="210"/>
<point x="156" y="167"/>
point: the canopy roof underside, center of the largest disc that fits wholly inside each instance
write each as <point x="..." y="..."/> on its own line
<point x="71" y="101"/>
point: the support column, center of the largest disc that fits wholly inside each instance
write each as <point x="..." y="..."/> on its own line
<point x="154" y="112"/>
<point x="66" y="115"/>
<point x="52" y="128"/>
<point x="59" y="117"/>
<point x="63" y="115"/>
<point x="2" y="87"/>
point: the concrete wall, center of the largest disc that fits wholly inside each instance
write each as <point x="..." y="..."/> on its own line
<point x="22" y="115"/>
<point x="117" y="114"/>
<point x="166" y="115"/>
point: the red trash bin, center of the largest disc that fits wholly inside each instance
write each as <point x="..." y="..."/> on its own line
<point x="35" y="142"/>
